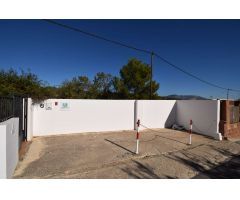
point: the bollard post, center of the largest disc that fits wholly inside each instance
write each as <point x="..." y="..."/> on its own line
<point x="137" y="136"/>
<point x="190" y="133"/>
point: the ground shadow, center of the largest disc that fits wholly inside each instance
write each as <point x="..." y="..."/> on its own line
<point x="229" y="169"/>
<point x="226" y="170"/>
<point x="140" y="171"/>
<point x="119" y="146"/>
<point x="161" y="136"/>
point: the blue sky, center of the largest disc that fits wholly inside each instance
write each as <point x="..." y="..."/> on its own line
<point x="207" y="48"/>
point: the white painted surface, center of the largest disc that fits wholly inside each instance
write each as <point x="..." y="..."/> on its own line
<point x="8" y="147"/>
<point x="204" y="113"/>
<point x="219" y="137"/>
<point x="82" y="116"/>
<point x="156" y="113"/>
<point x="135" y="114"/>
<point x="113" y="115"/>
<point x="29" y="120"/>
<point x="3" y="154"/>
<point x="137" y="151"/>
<point x="190" y="139"/>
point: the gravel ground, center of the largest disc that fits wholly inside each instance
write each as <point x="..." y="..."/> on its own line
<point x="164" y="153"/>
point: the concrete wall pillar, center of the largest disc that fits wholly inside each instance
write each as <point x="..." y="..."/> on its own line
<point x="29" y="120"/>
<point x="9" y="135"/>
<point x="219" y="135"/>
<point x="3" y="154"/>
<point x="135" y="114"/>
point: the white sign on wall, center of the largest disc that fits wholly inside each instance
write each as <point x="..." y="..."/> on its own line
<point x="48" y="106"/>
<point x="64" y="106"/>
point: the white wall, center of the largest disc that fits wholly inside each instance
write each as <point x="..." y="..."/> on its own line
<point x="29" y="120"/>
<point x="113" y="115"/>
<point x="204" y="113"/>
<point x="156" y="113"/>
<point x="9" y="147"/>
<point x="82" y="116"/>
<point x="3" y="154"/>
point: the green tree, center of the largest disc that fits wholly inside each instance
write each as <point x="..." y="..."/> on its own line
<point x="78" y="87"/>
<point x="49" y="92"/>
<point x="102" y="85"/>
<point x="119" y="91"/>
<point x="134" y="82"/>
<point x="23" y="84"/>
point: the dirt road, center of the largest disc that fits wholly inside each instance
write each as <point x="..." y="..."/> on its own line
<point x="164" y="153"/>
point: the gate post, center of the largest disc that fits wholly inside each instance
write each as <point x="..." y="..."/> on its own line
<point x="137" y="136"/>
<point x="135" y="114"/>
<point x="29" y="119"/>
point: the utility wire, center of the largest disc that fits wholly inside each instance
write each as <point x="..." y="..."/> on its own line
<point x="192" y="75"/>
<point x="97" y="36"/>
<point x="140" y="50"/>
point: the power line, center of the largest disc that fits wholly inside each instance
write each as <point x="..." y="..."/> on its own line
<point x="97" y="36"/>
<point x="192" y="75"/>
<point x="140" y="50"/>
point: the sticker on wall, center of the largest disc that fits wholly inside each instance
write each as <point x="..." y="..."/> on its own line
<point x="64" y="106"/>
<point x="48" y="106"/>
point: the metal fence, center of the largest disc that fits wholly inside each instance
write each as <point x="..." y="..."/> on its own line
<point x="6" y="108"/>
<point x="14" y="107"/>
<point x="11" y="107"/>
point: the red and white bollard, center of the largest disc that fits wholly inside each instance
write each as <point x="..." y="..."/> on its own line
<point x="137" y="136"/>
<point x="190" y="133"/>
